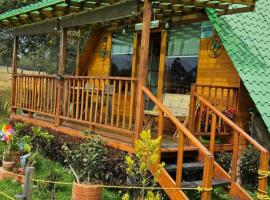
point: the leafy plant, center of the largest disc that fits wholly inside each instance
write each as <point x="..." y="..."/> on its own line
<point x="4" y="106"/>
<point x="146" y="156"/>
<point x="249" y="165"/>
<point x="224" y="159"/>
<point x="87" y="159"/>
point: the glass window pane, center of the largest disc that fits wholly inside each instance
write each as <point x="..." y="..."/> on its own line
<point x="182" y="58"/>
<point x="121" y="55"/>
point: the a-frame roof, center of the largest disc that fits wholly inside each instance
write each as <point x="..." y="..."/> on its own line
<point x="246" y="37"/>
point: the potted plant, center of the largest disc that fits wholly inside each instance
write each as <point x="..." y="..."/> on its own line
<point x="87" y="162"/>
<point x="9" y="155"/>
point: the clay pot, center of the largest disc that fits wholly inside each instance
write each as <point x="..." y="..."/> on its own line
<point x="86" y="192"/>
<point x="8" y="166"/>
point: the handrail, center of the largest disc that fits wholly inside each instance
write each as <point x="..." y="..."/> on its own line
<point x="169" y="115"/>
<point x="79" y="77"/>
<point x="231" y="124"/>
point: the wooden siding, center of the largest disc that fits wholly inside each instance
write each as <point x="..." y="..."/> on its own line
<point x="216" y="71"/>
<point x="98" y="66"/>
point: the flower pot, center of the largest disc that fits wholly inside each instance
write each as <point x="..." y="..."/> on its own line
<point x="86" y="192"/>
<point x="9" y="166"/>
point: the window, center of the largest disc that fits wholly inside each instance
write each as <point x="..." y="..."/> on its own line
<point x="182" y="58"/>
<point x="121" y="57"/>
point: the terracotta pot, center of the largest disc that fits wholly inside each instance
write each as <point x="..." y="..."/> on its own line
<point x="86" y="192"/>
<point x="9" y="166"/>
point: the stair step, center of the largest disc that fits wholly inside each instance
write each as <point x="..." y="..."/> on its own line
<point x="215" y="183"/>
<point x="186" y="166"/>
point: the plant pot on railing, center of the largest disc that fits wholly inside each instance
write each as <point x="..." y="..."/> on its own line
<point x="86" y="191"/>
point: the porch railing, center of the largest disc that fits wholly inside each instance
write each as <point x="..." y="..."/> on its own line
<point x="218" y="123"/>
<point x="105" y="102"/>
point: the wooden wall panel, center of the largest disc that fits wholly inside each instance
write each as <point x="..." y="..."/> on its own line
<point x="216" y="71"/>
<point x="98" y="66"/>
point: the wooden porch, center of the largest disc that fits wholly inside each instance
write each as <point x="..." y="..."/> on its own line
<point x="107" y="106"/>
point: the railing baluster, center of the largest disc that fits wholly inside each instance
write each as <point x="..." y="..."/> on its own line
<point x="107" y="101"/>
<point x="82" y="99"/>
<point x="119" y="103"/>
<point x="131" y="109"/>
<point x="65" y="98"/>
<point x="69" y="97"/>
<point x="87" y="99"/>
<point x="102" y="101"/>
<point x="73" y="98"/>
<point x="206" y="120"/>
<point x="125" y="104"/>
<point x="213" y="133"/>
<point x="235" y="155"/>
<point x="113" y="102"/>
<point x="92" y="102"/>
<point x="77" y="98"/>
<point x="180" y="159"/>
<point x="160" y="131"/>
<point x="97" y="100"/>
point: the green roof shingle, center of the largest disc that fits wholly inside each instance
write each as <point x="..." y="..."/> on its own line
<point x="246" y="37"/>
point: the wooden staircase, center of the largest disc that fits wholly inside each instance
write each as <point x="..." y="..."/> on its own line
<point x="190" y="169"/>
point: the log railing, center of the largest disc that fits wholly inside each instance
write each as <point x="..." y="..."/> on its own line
<point x="36" y="93"/>
<point x="106" y="102"/>
<point x="185" y="136"/>
<point x="241" y="139"/>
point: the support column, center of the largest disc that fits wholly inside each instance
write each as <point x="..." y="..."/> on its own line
<point x="61" y="70"/>
<point x="14" y="72"/>
<point x="78" y="54"/>
<point x="147" y="12"/>
<point x="162" y="60"/>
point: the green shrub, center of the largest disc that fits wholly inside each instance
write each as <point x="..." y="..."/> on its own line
<point x="87" y="159"/>
<point x="249" y="165"/>
<point x="224" y="159"/>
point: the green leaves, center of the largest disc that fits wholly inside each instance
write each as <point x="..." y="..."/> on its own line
<point x="146" y="155"/>
<point x="87" y="159"/>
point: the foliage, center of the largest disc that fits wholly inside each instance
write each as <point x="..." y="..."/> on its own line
<point x="249" y="165"/>
<point x="4" y="104"/>
<point x="224" y="159"/>
<point x="115" y="168"/>
<point x="147" y="155"/>
<point x="88" y="159"/>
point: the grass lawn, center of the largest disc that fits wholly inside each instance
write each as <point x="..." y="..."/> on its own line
<point x="46" y="169"/>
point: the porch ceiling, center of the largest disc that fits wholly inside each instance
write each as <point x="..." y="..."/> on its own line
<point x="164" y="9"/>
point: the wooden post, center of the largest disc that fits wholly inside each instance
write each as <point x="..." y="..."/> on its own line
<point x="207" y="177"/>
<point x="78" y="54"/>
<point x="235" y="156"/>
<point x="28" y="185"/>
<point x="143" y="66"/>
<point x="162" y="60"/>
<point x="14" y="72"/>
<point x="61" y="71"/>
<point x="192" y="109"/>
<point x="264" y="166"/>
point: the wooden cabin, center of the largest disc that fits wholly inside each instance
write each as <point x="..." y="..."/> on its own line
<point x="169" y="66"/>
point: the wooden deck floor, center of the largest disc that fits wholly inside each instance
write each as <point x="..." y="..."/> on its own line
<point x="118" y="140"/>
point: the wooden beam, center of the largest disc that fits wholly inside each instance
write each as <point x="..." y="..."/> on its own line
<point x="78" y="54"/>
<point x="147" y="13"/>
<point x="14" y="71"/>
<point x="117" y="11"/>
<point x="61" y="71"/>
